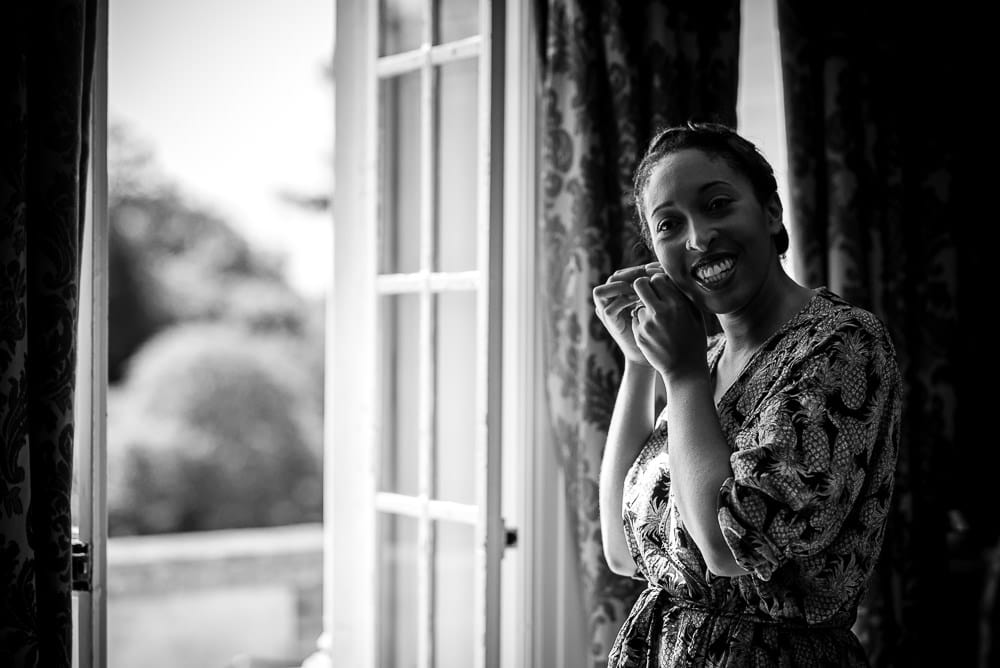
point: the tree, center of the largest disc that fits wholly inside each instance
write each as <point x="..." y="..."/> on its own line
<point x="215" y="404"/>
<point x="217" y="429"/>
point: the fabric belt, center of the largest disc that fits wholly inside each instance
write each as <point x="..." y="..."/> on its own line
<point x="645" y="622"/>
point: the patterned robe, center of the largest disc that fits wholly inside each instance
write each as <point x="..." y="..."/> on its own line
<point x="813" y="422"/>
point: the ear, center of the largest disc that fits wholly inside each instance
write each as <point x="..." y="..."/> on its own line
<point x="775" y="213"/>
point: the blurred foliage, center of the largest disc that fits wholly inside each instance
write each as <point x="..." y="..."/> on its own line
<point x="170" y="260"/>
<point x="216" y="428"/>
<point x="215" y="366"/>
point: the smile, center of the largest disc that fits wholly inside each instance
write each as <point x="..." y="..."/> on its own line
<point x="711" y="274"/>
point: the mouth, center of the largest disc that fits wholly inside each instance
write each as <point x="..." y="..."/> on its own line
<point x="713" y="272"/>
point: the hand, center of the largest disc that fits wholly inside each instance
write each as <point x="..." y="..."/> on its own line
<point x="614" y="302"/>
<point x="667" y="327"/>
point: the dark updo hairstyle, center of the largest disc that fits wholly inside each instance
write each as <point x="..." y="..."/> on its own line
<point x="719" y="141"/>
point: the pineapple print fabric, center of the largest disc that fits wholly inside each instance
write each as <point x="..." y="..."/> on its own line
<point x="813" y="421"/>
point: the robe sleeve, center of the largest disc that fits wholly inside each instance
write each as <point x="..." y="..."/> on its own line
<point x="802" y="455"/>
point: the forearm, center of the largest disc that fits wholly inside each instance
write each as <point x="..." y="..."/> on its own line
<point x="631" y="422"/>
<point x="699" y="464"/>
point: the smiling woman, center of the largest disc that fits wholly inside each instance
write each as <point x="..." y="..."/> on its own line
<point x="753" y="505"/>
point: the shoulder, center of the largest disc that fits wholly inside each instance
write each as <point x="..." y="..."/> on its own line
<point x="832" y="317"/>
<point x="849" y="348"/>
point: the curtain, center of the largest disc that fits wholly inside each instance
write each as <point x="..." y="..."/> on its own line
<point x="46" y="61"/>
<point x="873" y="113"/>
<point x="614" y="71"/>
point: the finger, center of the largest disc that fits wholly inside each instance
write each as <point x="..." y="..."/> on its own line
<point x="621" y="307"/>
<point x="640" y="326"/>
<point x="628" y="273"/>
<point x="664" y="287"/>
<point x="646" y="294"/>
<point x="607" y="292"/>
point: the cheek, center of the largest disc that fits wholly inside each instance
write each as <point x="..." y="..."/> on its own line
<point x="672" y="262"/>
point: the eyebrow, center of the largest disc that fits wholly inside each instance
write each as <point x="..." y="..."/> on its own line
<point x="701" y="189"/>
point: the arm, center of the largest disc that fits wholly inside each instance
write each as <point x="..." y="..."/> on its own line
<point x="631" y="422"/>
<point x="632" y="416"/>
<point x="670" y="333"/>
<point x="817" y="455"/>
<point x="699" y="465"/>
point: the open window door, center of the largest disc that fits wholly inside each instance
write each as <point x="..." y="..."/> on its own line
<point x="89" y="490"/>
<point x="414" y="533"/>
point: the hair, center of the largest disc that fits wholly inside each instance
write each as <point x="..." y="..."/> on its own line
<point x="717" y="140"/>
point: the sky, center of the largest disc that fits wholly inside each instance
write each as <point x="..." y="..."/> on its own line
<point x="231" y="97"/>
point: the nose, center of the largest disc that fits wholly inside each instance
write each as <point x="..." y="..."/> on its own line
<point x="700" y="236"/>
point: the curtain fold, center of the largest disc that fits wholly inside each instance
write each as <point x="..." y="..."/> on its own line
<point x="870" y="94"/>
<point x="46" y="65"/>
<point x="614" y="72"/>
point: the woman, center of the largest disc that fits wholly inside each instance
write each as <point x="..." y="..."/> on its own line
<point x="754" y="504"/>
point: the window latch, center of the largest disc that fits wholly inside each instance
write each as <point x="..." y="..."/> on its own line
<point x="81" y="560"/>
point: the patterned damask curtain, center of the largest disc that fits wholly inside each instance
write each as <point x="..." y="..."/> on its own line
<point x="874" y="111"/>
<point x="614" y="71"/>
<point x="46" y="61"/>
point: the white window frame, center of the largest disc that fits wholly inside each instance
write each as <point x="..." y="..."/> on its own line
<point x="351" y="436"/>
<point x="90" y="409"/>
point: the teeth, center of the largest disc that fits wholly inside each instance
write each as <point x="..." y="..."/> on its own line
<point x="713" y="272"/>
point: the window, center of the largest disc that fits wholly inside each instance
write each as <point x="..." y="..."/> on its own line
<point x="218" y="592"/>
<point x="416" y="533"/>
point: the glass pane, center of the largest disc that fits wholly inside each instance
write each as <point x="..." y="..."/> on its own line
<point x="401" y="25"/>
<point x="218" y="263"/>
<point x="76" y="630"/>
<point x="400" y="356"/>
<point x="206" y="625"/>
<point x="458" y="152"/>
<point x="397" y="600"/>
<point x="457" y="19"/>
<point x="456" y="401"/>
<point x="399" y="173"/>
<point x="454" y="595"/>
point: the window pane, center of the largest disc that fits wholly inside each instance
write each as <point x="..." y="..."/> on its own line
<point x="401" y="25"/>
<point x="454" y="595"/>
<point x="218" y="253"/>
<point x="397" y="600"/>
<point x="398" y="420"/>
<point x="76" y="631"/>
<point x="458" y="151"/>
<point x="456" y="401"/>
<point x="399" y="173"/>
<point x="457" y="19"/>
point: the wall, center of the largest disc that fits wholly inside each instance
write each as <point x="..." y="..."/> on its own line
<point x="203" y="600"/>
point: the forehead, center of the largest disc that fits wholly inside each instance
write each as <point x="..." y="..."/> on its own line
<point x="682" y="174"/>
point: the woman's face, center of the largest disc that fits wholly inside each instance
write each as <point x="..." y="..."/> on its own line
<point x="709" y="232"/>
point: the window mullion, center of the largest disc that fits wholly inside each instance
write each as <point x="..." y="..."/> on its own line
<point x="427" y="379"/>
<point x="408" y="61"/>
<point x="491" y="532"/>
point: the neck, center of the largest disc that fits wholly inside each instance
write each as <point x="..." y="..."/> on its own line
<point x="776" y="303"/>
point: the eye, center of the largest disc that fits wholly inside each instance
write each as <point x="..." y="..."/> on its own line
<point x="719" y="203"/>
<point x="666" y="225"/>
